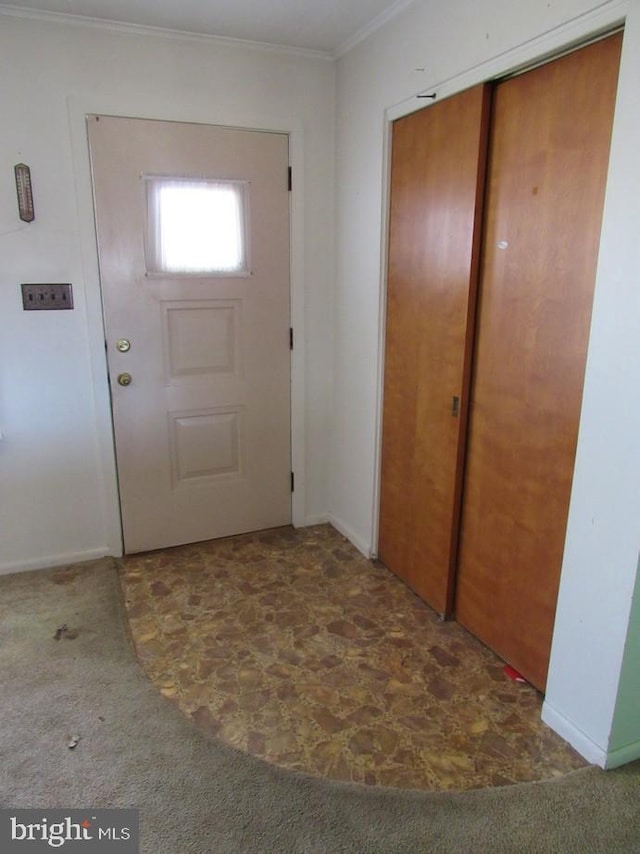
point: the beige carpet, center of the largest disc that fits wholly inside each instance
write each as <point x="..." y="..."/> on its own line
<point x="198" y="795"/>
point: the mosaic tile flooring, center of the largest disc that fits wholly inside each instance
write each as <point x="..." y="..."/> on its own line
<point x="292" y="646"/>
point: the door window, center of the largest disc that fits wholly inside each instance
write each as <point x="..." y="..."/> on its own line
<point x="196" y="227"/>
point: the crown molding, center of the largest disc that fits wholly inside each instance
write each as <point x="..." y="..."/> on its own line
<point x="160" y="32"/>
<point x="378" y="22"/>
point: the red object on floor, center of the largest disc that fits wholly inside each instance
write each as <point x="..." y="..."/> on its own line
<point x="511" y="673"/>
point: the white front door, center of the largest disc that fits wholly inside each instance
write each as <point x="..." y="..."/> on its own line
<point x="193" y="238"/>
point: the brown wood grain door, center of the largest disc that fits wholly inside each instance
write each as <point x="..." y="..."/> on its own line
<point x="437" y="177"/>
<point x="549" y="152"/>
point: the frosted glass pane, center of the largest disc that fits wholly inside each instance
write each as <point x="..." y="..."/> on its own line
<point x="196" y="226"/>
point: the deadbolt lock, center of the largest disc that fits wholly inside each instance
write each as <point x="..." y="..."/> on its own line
<point x="123" y="345"/>
<point x="124" y="379"/>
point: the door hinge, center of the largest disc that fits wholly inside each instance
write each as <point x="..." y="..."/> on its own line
<point x="291" y="337"/>
<point x="290" y="179"/>
<point x="293" y="482"/>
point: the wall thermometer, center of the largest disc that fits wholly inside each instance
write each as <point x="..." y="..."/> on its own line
<point x="23" y="188"/>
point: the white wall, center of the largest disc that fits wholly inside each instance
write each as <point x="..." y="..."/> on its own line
<point x="460" y="43"/>
<point x="57" y="483"/>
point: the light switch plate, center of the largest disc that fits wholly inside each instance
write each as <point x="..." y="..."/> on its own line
<point x="46" y="297"/>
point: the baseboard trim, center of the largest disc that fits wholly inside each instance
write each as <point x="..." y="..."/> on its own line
<point x="317" y="519"/>
<point x="579" y="740"/>
<point x="347" y="532"/>
<point x="623" y="755"/>
<point x="53" y="560"/>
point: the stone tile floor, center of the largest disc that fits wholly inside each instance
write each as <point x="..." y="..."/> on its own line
<point x="292" y="646"/>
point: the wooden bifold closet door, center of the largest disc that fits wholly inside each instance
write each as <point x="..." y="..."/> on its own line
<point x="545" y="180"/>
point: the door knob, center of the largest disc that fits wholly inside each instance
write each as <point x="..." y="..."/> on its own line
<point x="123" y="345"/>
<point x="124" y="379"/>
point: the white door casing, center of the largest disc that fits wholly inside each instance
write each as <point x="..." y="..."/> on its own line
<point x="203" y="430"/>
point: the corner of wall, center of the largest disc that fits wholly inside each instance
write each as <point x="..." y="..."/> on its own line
<point x="351" y="535"/>
<point x="580" y="741"/>
<point x="51" y="561"/>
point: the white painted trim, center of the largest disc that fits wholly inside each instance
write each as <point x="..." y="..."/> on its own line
<point x="353" y="538"/>
<point x="54" y="560"/>
<point x="573" y="33"/>
<point x="104" y="444"/>
<point x="378" y="22"/>
<point x="87" y="21"/>
<point x="317" y="519"/>
<point x="623" y="755"/>
<point x="607" y="16"/>
<point x="382" y="336"/>
<point x="157" y="108"/>
<point x="298" y="358"/>
<point x="592" y="752"/>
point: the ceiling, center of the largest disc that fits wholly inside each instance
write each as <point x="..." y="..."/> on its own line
<point x="323" y="25"/>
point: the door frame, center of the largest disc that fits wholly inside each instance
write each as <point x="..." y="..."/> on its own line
<point x="549" y="46"/>
<point x="133" y="107"/>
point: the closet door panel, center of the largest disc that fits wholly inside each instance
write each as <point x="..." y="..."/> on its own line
<point x="548" y="160"/>
<point x="437" y="179"/>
